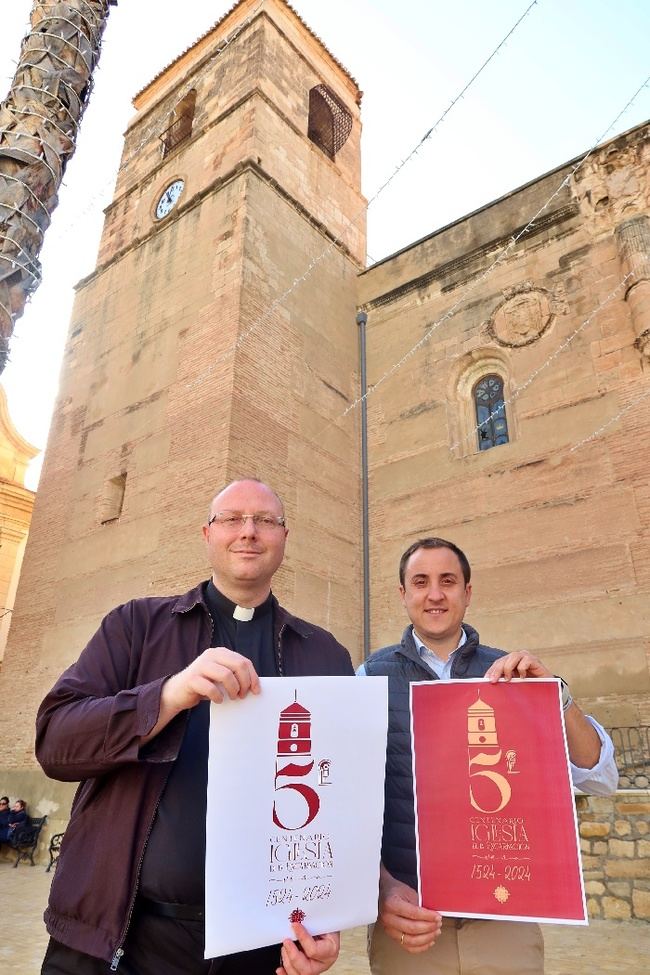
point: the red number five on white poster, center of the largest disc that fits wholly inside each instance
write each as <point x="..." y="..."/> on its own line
<point x="309" y="795"/>
<point x="294" y="739"/>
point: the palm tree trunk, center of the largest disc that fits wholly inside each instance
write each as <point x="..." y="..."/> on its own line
<point x="39" y="121"/>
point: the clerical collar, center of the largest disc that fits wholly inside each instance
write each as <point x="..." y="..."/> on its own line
<point x="242" y="614"/>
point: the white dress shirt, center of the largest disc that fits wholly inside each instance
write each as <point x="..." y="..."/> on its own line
<point x="601" y="780"/>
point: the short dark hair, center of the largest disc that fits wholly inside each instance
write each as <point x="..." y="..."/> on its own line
<point x="22" y="803"/>
<point x="434" y="543"/>
<point x="4" y="799"/>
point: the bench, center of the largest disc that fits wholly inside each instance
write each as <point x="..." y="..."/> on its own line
<point x="54" y="850"/>
<point x="25" y="838"/>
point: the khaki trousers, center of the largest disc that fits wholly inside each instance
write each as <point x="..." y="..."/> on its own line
<point x="465" y="947"/>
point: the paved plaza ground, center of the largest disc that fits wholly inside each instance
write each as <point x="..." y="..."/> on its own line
<point x="604" y="948"/>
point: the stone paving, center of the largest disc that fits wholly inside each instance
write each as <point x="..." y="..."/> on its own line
<point x="604" y="948"/>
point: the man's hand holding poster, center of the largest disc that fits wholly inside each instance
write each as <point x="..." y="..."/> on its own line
<point x="495" y="814"/>
<point x="295" y="810"/>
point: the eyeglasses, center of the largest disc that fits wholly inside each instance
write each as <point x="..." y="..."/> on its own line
<point x="262" y="520"/>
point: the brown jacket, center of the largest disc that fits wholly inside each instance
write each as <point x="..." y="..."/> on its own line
<point x="89" y="727"/>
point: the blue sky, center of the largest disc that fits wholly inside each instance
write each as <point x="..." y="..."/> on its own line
<point x="551" y="92"/>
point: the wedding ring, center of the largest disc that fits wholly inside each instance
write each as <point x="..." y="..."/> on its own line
<point x="401" y="940"/>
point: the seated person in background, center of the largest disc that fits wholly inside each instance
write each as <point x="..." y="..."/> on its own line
<point x="17" y="817"/>
<point x="4" y="811"/>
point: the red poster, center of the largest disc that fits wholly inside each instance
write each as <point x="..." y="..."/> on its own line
<point x="495" y="815"/>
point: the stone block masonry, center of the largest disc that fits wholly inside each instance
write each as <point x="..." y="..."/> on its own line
<point x="615" y="843"/>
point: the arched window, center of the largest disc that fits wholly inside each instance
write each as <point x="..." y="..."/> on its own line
<point x="181" y="125"/>
<point x="330" y="123"/>
<point x="490" y="412"/>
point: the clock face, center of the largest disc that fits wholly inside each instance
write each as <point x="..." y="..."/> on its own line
<point x="169" y="198"/>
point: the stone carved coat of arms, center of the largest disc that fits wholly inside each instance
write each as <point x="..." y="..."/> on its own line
<point x="522" y="317"/>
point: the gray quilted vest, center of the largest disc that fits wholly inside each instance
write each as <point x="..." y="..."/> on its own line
<point x="402" y="664"/>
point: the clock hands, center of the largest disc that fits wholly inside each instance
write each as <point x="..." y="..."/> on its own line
<point x="168" y="199"/>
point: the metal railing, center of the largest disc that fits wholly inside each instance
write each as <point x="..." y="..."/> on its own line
<point x="632" y="756"/>
<point x="178" y="132"/>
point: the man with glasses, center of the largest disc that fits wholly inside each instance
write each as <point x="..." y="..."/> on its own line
<point x="130" y="720"/>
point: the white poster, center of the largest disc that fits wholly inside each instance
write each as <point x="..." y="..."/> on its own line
<point x="295" y="810"/>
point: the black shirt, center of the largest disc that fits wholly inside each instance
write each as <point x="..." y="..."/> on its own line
<point x="173" y="868"/>
<point x="253" y="639"/>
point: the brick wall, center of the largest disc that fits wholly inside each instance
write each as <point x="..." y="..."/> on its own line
<point x="195" y="357"/>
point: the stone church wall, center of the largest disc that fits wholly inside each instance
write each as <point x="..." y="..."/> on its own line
<point x="555" y="524"/>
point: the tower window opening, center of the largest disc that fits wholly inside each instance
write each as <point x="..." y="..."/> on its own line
<point x="112" y="499"/>
<point x="330" y="123"/>
<point x="490" y="412"/>
<point x="181" y="124"/>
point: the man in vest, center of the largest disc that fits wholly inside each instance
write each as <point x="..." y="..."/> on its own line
<point x="435" y="589"/>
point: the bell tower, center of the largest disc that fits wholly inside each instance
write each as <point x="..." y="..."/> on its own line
<point x="215" y="338"/>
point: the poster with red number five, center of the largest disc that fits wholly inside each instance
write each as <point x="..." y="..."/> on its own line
<point x="495" y="814"/>
<point x="295" y="810"/>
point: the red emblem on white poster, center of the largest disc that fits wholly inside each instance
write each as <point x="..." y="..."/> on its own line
<point x="496" y="823"/>
<point x="296" y="801"/>
<point x="287" y="838"/>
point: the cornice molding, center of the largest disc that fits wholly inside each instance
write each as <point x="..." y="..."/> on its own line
<point x="248" y="165"/>
<point x="473" y="257"/>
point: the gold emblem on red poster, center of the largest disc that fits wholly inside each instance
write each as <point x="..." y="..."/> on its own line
<point x="490" y="763"/>
<point x="489" y="789"/>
